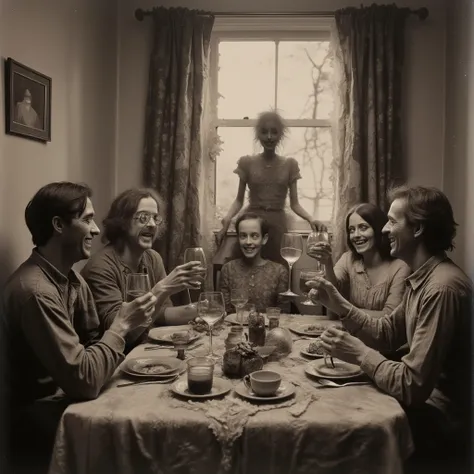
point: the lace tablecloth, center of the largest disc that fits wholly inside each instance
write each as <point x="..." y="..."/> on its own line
<point x="146" y="429"/>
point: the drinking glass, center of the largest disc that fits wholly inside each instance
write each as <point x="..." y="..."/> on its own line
<point x="239" y="298"/>
<point x="315" y="238"/>
<point x="195" y="254"/>
<point x="211" y="308"/>
<point x="137" y="284"/>
<point x="200" y="375"/>
<point x="307" y="275"/>
<point x="273" y="316"/>
<point x="291" y="250"/>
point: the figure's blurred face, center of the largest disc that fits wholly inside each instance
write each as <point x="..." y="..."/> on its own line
<point x="269" y="133"/>
<point x="145" y="224"/>
<point x="361" y="234"/>
<point x="251" y="239"/>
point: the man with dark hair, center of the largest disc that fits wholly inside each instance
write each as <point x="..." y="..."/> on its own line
<point x="432" y="381"/>
<point x="133" y="223"/>
<point x="50" y="325"/>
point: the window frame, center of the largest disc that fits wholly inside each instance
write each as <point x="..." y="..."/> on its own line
<point x="260" y="28"/>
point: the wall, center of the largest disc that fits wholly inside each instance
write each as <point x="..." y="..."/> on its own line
<point x="459" y="166"/>
<point x="424" y="80"/>
<point x="73" y="42"/>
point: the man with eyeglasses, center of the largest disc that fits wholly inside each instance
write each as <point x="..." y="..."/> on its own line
<point x="132" y="225"/>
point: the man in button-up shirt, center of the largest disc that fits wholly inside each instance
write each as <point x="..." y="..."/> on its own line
<point x="49" y="321"/>
<point x="433" y="380"/>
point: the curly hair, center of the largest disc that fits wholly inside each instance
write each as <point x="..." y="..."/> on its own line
<point x="271" y="115"/>
<point x="429" y="208"/>
<point x="62" y="199"/>
<point x="122" y="210"/>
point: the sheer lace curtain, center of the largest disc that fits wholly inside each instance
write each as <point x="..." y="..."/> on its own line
<point x="368" y="50"/>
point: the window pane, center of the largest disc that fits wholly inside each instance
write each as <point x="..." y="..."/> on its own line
<point x="246" y="80"/>
<point x="304" y="69"/>
<point x="311" y="147"/>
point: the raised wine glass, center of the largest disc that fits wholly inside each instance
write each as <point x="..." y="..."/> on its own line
<point x="211" y="308"/>
<point x="291" y="249"/>
<point x="315" y="238"/>
<point x="195" y="254"/>
<point x="307" y="275"/>
<point x="137" y="284"/>
<point x="239" y="298"/>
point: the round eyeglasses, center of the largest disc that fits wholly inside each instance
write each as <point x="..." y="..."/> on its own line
<point x="144" y="218"/>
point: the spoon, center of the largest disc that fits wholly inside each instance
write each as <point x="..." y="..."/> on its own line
<point x="330" y="383"/>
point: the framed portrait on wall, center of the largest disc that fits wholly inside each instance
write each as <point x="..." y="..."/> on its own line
<point x="27" y="102"/>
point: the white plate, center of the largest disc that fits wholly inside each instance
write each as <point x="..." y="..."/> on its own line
<point x="129" y="367"/>
<point x="319" y="369"/>
<point x="311" y="354"/>
<point x="286" y="390"/>
<point x="163" y="334"/>
<point x="302" y="329"/>
<point x="219" y="387"/>
<point x="232" y="319"/>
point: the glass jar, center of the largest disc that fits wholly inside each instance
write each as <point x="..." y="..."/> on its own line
<point x="234" y="337"/>
<point x="256" y="328"/>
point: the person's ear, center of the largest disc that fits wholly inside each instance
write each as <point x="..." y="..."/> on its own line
<point x="58" y="224"/>
<point x="265" y="239"/>
<point x="418" y="230"/>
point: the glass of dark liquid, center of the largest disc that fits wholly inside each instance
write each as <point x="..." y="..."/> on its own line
<point x="137" y="285"/>
<point x="200" y="375"/>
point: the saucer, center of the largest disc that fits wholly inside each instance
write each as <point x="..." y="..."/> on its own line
<point x="219" y="387"/>
<point x="343" y="370"/>
<point x="129" y="366"/>
<point x="286" y="390"/>
<point x="311" y="354"/>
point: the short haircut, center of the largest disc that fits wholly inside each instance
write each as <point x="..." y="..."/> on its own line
<point x="264" y="228"/>
<point x="62" y="199"/>
<point x="271" y="115"/>
<point x="122" y="209"/>
<point x="430" y="208"/>
<point x="376" y="218"/>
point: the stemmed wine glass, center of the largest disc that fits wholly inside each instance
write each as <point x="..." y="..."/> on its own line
<point x="195" y="254"/>
<point x="291" y="250"/>
<point x="308" y="275"/>
<point x="315" y="238"/>
<point x="211" y="308"/>
<point x="137" y="284"/>
<point x="239" y="298"/>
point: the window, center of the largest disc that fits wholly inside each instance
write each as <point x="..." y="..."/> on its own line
<point x="259" y="64"/>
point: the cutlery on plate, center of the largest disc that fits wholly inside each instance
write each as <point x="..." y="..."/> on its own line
<point x="148" y="382"/>
<point x="154" y="348"/>
<point x="330" y="383"/>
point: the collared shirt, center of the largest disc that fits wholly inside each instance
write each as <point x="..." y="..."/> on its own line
<point x="52" y="335"/>
<point x="106" y="275"/>
<point x="354" y="284"/>
<point x="434" y="318"/>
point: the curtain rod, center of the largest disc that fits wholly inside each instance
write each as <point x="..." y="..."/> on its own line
<point x="140" y="14"/>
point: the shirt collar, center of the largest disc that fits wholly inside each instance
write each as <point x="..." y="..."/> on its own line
<point x="52" y="272"/>
<point x="419" y="276"/>
<point x="142" y="267"/>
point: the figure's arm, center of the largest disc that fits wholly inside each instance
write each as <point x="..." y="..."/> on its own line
<point x="235" y="206"/>
<point x="80" y="372"/>
<point x="295" y="203"/>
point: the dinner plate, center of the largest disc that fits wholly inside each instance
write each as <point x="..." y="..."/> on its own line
<point x="343" y="370"/>
<point x="313" y="355"/>
<point x="135" y="367"/>
<point x="310" y="330"/>
<point x="163" y="334"/>
<point x="232" y="319"/>
<point x="219" y="387"/>
<point x="286" y="390"/>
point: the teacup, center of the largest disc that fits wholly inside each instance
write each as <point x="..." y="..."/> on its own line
<point x="263" y="383"/>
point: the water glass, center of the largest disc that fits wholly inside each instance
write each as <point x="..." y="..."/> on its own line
<point x="200" y="375"/>
<point x="273" y="315"/>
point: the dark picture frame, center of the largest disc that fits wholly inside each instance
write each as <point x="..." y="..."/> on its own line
<point x="27" y="102"/>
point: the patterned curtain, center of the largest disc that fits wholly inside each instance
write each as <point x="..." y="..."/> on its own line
<point x="173" y="152"/>
<point x="368" y="47"/>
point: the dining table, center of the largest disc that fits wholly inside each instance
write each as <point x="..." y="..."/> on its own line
<point x="147" y="428"/>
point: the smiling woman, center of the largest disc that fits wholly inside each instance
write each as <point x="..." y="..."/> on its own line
<point x="366" y="275"/>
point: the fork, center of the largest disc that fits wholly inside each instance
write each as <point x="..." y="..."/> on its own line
<point x="326" y="357"/>
<point x="330" y="383"/>
<point x="148" y="382"/>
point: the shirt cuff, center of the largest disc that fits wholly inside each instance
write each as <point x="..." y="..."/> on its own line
<point x="371" y="362"/>
<point x="114" y="341"/>
<point x="354" y="319"/>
